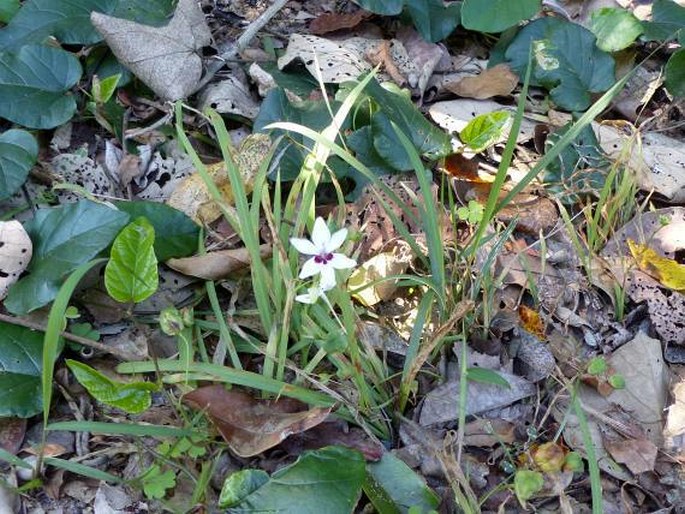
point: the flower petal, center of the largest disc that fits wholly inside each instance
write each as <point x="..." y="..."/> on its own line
<point x="336" y="240"/>
<point x="310" y="268"/>
<point x="327" y="278"/>
<point x="304" y="246"/>
<point x="311" y="296"/>
<point x="340" y="261"/>
<point x="321" y="235"/>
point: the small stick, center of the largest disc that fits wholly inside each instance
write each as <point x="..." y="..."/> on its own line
<point x="66" y="335"/>
<point x="241" y="43"/>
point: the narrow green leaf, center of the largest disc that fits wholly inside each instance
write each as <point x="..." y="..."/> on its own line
<point x="486" y="376"/>
<point x="100" y="427"/>
<point x="82" y="469"/>
<point x="132" y="397"/>
<point x="131" y="273"/>
<point x="485" y="130"/>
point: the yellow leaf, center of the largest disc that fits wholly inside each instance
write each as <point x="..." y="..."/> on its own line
<point x="670" y="273"/>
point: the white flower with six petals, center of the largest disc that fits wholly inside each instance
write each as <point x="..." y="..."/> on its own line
<point x="324" y="260"/>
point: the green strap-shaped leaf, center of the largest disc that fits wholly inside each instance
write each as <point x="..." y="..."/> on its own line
<point x="18" y="152"/>
<point x="34" y="82"/>
<point x="132" y="397"/>
<point x="131" y="273"/>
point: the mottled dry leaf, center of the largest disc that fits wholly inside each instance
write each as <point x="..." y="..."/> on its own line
<point x="380" y="266"/>
<point x="252" y="426"/>
<point x="165" y="58"/>
<point x="382" y="55"/>
<point x="330" y="22"/>
<point x="216" y="265"/>
<point x="496" y="81"/>
<point x="486" y="433"/>
<point x="192" y="196"/>
<point x="674" y="431"/>
<point x="16" y="250"/>
<point x="12" y="432"/>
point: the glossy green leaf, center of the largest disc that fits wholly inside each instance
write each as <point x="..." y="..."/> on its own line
<point x="497" y="15"/>
<point x="67" y="20"/>
<point x="385" y="7"/>
<point x="131" y="273"/>
<point x="241" y="484"/>
<point x="566" y="61"/>
<point x="147" y="12"/>
<point x="176" y="234"/>
<point x="63" y="238"/>
<point x="34" y="86"/>
<point x="18" y="153"/>
<point x="486" y="130"/>
<point x="8" y="8"/>
<point x="131" y="397"/>
<point x="487" y="376"/>
<point x="430" y="141"/>
<point x="675" y="74"/>
<point x="392" y="486"/>
<point x="434" y="19"/>
<point x="21" y="352"/>
<point x="614" y="28"/>
<point x="332" y="476"/>
<point x="387" y="145"/>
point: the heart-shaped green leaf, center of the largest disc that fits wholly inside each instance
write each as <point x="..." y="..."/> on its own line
<point x="132" y="397"/>
<point x="21" y="351"/>
<point x="18" y="152"/>
<point x="566" y="61"/>
<point x="614" y="28"/>
<point x="175" y="233"/>
<point x="496" y="15"/>
<point x="675" y="74"/>
<point x="131" y="273"/>
<point x="67" y="20"/>
<point x="34" y="85"/>
<point x="433" y="19"/>
<point x="331" y="476"/>
<point x="63" y="238"/>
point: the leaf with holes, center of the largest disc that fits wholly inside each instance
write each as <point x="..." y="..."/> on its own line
<point x="131" y="273"/>
<point x="18" y="153"/>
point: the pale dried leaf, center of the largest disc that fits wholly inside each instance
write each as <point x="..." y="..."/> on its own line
<point x="216" y="265"/>
<point x="165" y="58"/>
<point x="230" y="96"/>
<point x="380" y="266"/>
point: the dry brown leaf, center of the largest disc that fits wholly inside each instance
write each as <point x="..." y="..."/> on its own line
<point x="252" y="426"/>
<point x="192" y="197"/>
<point x="16" y="250"/>
<point x="382" y="55"/>
<point x="330" y="22"/>
<point x="165" y="58"/>
<point x="638" y="455"/>
<point x="380" y="266"/>
<point x="12" y="431"/>
<point x="216" y="265"/>
<point x="496" y="81"/>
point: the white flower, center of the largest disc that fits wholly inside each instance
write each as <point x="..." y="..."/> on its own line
<point x="311" y="296"/>
<point x="324" y="260"/>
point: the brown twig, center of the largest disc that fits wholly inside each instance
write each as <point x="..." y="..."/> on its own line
<point x="66" y="335"/>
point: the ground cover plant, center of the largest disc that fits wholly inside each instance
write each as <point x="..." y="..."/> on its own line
<point x="343" y="257"/>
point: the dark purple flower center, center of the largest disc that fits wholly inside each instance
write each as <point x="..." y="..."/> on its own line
<point x="323" y="258"/>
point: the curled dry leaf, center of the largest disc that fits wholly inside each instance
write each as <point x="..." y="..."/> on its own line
<point x="165" y="58"/>
<point x="496" y="81"/>
<point x="216" y="265"/>
<point x="16" y="250"/>
<point x="251" y="426"/>
<point x="379" y="267"/>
